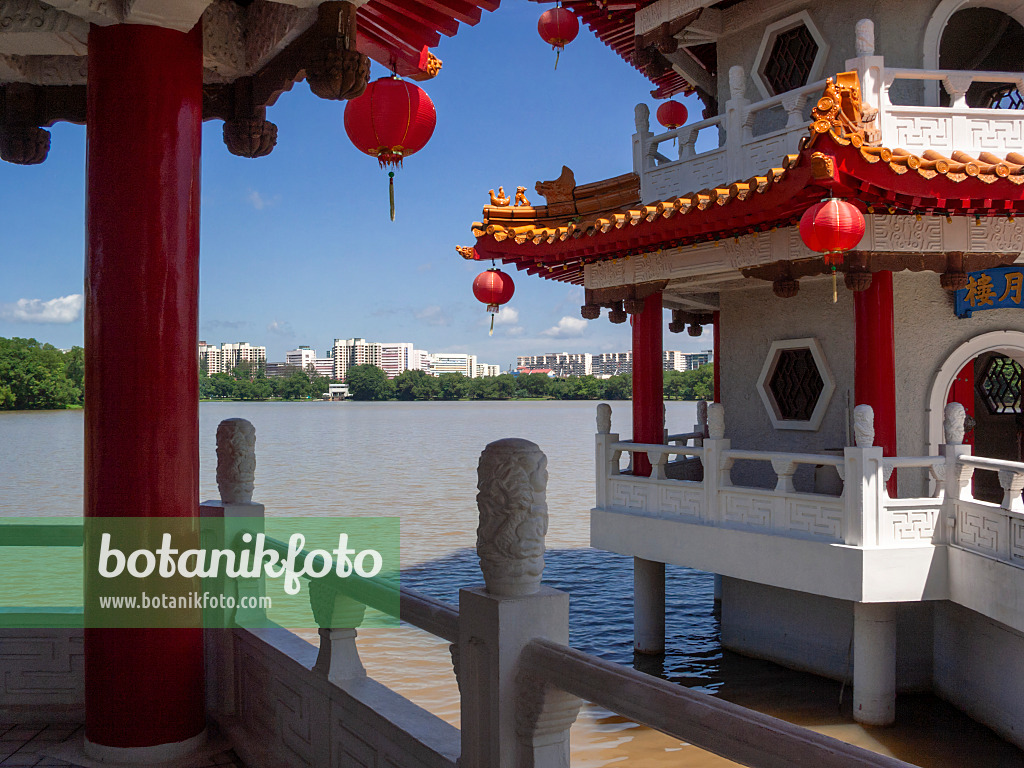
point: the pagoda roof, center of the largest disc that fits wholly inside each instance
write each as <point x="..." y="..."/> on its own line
<point x="598" y="224"/>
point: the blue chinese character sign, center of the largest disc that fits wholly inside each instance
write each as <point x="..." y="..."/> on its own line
<point x="991" y="289"/>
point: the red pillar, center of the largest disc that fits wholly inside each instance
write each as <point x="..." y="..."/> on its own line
<point x="716" y="324"/>
<point x="648" y="380"/>
<point x="143" y="687"/>
<point x="875" y="363"/>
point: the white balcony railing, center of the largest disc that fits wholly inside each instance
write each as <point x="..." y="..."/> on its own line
<point x="862" y="515"/>
<point x="753" y="137"/>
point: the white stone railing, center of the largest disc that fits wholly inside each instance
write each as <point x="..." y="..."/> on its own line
<point x="740" y="153"/>
<point x="994" y="530"/>
<point x="862" y="515"/>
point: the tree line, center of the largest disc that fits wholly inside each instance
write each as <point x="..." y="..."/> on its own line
<point x="250" y="382"/>
<point x="36" y="376"/>
<point x="368" y="382"/>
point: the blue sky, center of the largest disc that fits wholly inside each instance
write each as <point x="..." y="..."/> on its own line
<point x="298" y="248"/>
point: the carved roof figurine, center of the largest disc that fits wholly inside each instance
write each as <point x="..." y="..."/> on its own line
<point x="521" y="196"/>
<point x="558" y="190"/>
<point x="465" y="251"/>
<point x="501" y="199"/>
<point x="841" y="113"/>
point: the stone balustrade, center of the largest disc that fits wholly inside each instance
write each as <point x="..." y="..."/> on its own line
<point x="862" y="515"/>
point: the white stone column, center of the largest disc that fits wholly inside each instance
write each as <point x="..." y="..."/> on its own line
<point x="508" y="720"/>
<point x="874" y="663"/>
<point x="863" y="482"/>
<point x="958" y="477"/>
<point x="606" y="461"/>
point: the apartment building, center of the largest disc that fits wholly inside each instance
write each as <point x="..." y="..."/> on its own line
<point x="485" y="369"/>
<point x="227" y="356"/>
<point x="300" y="357"/>
<point x="347" y="353"/>
<point x="612" y="364"/>
<point x="452" y="362"/>
<point x="561" y="363"/>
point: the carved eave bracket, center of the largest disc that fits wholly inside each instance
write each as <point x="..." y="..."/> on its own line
<point x="251" y="56"/>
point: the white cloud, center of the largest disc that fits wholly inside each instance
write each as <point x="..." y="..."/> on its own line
<point x="432" y="315"/>
<point x="507" y="316"/>
<point x="567" y="328"/>
<point x="259" y="202"/>
<point x="65" y="309"/>
<point x="280" y="328"/>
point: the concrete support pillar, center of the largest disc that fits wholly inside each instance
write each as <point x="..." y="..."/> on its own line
<point x="648" y="606"/>
<point x="874" y="663"/>
<point x="143" y="687"/>
<point x="716" y="327"/>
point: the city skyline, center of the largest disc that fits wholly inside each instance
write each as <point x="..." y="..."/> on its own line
<point x="287" y="250"/>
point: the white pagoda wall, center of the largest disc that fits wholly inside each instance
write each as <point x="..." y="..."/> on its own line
<point x="899" y="36"/>
<point x="753" y="318"/>
<point x="927" y="333"/>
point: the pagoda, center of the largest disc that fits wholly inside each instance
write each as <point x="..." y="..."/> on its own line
<point x="832" y="486"/>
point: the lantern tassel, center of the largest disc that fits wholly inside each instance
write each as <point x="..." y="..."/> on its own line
<point x="835" y="296"/>
<point x="391" y="192"/>
<point x="491" y="332"/>
<point x="557" y="53"/>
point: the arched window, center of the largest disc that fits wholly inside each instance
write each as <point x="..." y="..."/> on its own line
<point x="984" y="39"/>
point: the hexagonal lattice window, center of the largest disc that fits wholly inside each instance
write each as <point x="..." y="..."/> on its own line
<point x="790" y="61"/>
<point x="999" y="385"/>
<point x="792" y="54"/>
<point x="796" y="384"/>
<point x="1006" y="97"/>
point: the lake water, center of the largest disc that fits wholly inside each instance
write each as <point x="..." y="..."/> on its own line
<point x="418" y="461"/>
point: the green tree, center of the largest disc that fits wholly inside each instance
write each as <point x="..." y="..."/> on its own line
<point x="416" y="385"/>
<point x="34" y="376"/>
<point x="368" y="382"/>
<point x="618" y="387"/>
<point x="534" y="384"/>
<point x="452" y="386"/>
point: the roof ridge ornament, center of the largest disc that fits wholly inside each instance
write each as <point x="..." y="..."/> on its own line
<point x="841" y="113"/>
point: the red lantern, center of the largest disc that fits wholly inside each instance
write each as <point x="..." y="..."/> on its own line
<point x="671" y="114"/>
<point x="390" y="121"/>
<point x="832" y="227"/>
<point x="493" y="288"/>
<point x="558" y="27"/>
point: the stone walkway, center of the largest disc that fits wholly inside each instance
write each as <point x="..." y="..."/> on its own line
<point x="24" y="744"/>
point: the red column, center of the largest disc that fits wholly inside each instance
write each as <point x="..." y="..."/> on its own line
<point x="875" y="363"/>
<point x="144" y="687"/>
<point x="648" y="380"/>
<point x="716" y="323"/>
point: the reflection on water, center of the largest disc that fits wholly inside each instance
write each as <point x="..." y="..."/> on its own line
<point x="418" y="461"/>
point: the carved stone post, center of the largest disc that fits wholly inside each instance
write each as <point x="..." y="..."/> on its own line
<point x="641" y="141"/>
<point x="506" y="724"/>
<point x="870" y="70"/>
<point x="958" y="476"/>
<point x="606" y="461"/>
<point x="222" y="521"/>
<point x="735" y="121"/>
<point x="863" y="483"/>
<point x="717" y="467"/>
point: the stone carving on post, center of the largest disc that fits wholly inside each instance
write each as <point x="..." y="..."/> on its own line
<point x="953" y="418"/>
<point x="543" y="719"/>
<point x="236" y="460"/>
<point x="737" y="82"/>
<point x="865" y="31"/>
<point x="512" y="480"/>
<point x="604" y="419"/>
<point x="863" y="426"/>
<point x="716" y="421"/>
